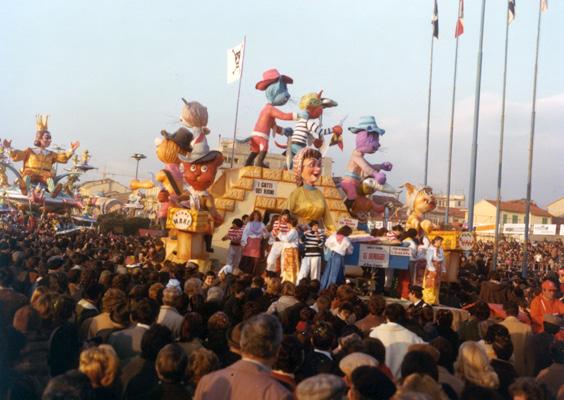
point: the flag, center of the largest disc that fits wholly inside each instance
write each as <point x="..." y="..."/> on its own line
<point x="235" y="62"/>
<point x="435" y="20"/>
<point x="544" y="5"/>
<point x="460" y="22"/>
<point x="511" y="14"/>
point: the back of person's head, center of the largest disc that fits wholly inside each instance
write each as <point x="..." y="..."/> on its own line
<point x="192" y="326"/>
<point x="529" y="389"/>
<point x="154" y="339"/>
<point x="444" y="318"/>
<point x="323" y="303"/>
<point x="261" y="336"/>
<point x="171" y="364"/>
<point x="494" y="331"/>
<point x="419" y="362"/>
<point x="170" y="295"/>
<point x="291" y="355"/>
<point x="302" y="293"/>
<point x="201" y="362"/>
<point x="26" y="320"/>
<point x="421" y="383"/>
<point x="446" y="352"/>
<point x="481" y="311"/>
<point x="323" y="336"/>
<point x="472" y="365"/>
<point x="288" y="289"/>
<point x="395" y="312"/>
<point x="427" y="315"/>
<point x="72" y="385"/>
<point x="376" y="304"/>
<point x="369" y="383"/>
<point x="511" y="308"/>
<point x="322" y="387"/>
<point x="502" y="347"/>
<point x="100" y="364"/>
<point x="144" y="311"/>
<point x="113" y="298"/>
<point x="375" y="348"/>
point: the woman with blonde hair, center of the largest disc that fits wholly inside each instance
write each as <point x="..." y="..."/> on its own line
<point x="473" y="367"/>
<point x="101" y="365"/>
<point x="420" y="383"/>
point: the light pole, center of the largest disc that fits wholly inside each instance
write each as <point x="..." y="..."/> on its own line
<point x="138" y="157"/>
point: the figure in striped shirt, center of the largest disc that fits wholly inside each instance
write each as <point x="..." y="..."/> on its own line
<point x="234" y="235"/>
<point x="313" y="242"/>
<point x="308" y="131"/>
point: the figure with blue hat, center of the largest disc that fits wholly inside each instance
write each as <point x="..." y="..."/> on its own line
<point x="367" y="142"/>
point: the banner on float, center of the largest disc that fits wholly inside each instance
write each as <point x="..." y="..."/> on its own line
<point x="372" y="255"/>
<point x="545" y="229"/>
<point x="347" y="221"/>
<point x="378" y="224"/>
<point x="265" y="188"/>
<point x="514" y="229"/>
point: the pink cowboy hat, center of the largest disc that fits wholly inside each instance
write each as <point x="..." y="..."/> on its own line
<point x="271" y="76"/>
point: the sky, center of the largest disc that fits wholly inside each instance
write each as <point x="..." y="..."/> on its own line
<point x="112" y="74"/>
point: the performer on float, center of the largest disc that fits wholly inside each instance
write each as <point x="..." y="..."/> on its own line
<point x="338" y="245"/>
<point x="435" y="266"/>
<point x="38" y="161"/>
<point x="290" y="254"/>
<point x="367" y="142"/>
<point x="306" y="201"/>
<point x="275" y="87"/>
<point x="309" y="130"/>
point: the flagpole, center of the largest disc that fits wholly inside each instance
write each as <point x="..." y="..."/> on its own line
<point x="238" y="96"/>
<point x="500" y="159"/>
<point x="531" y="143"/>
<point x="452" y="121"/>
<point x="429" y="109"/>
<point x="474" y="154"/>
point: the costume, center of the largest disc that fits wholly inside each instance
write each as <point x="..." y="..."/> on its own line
<point x="338" y="247"/>
<point x="290" y="256"/>
<point x="234" y="252"/>
<point x="432" y="278"/>
<point x="313" y="251"/>
<point x="277" y="246"/>
<point x="308" y="204"/>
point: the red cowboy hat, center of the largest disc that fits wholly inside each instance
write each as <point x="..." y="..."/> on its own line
<point x="271" y="76"/>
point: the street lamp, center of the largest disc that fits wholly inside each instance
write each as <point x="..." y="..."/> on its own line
<point x="138" y="157"/>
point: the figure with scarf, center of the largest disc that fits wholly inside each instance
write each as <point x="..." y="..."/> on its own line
<point x="338" y="245"/>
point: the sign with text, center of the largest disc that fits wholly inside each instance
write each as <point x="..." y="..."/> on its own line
<point x="514" y="229"/>
<point x="265" y="188"/>
<point x="372" y="255"/>
<point x="400" y="251"/>
<point x="545" y="229"/>
<point x="347" y="221"/>
<point x="378" y="224"/>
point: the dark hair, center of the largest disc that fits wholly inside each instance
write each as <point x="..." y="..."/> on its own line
<point x="171" y="363"/>
<point x="71" y="385"/>
<point x="511" y="308"/>
<point x="375" y="348"/>
<point x="144" y="311"/>
<point x="481" y="311"/>
<point x="376" y="304"/>
<point x="444" y="318"/>
<point x="494" y="331"/>
<point x="371" y="383"/>
<point x="446" y="353"/>
<point x="291" y="355"/>
<point x="419" y="362"/>
<point x="156" y="337"/>
<point x="503" y="347"/>
<point x="344" y="230"/>
<point x="238" y="222"/>
<point x="529" y="388"/>
<point x="312" y="223"/>
<point x="261" y="336"/>
<point x="395" y="312"/>
<point x="437" y="238"/>
<point x="192" y="326"/>
<point x="323" y="336"/>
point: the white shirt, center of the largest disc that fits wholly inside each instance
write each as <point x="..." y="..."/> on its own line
<point x="343" y="248"/>
<point x="290" y="239"/>
<point x="434" y="254"/>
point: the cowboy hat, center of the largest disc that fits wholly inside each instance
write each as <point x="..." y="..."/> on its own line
<point x="200" y="152"/>
<point x="367" y="124"/>
<point x="182" y="137"/>
<point x="271" y="76"/>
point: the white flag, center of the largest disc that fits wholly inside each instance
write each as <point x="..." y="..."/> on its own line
<point x="235" y="62"/>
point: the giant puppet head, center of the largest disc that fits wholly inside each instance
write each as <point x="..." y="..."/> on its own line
<point x="419" y="199"/>
<point x="307" y="166"/>
<point x="275" y="86"/>
<point x="367" y="135"/>
<point x="173" y="144"/>
<point x="201" y="165"/>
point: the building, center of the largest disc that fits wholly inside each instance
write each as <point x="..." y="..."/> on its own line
<point x="456" y="215"/>
<point x="275" y="161"/>
<point x="105" y="187"/>
<point x="556" y="208"/>
<point x="512" y="212"/>
<point x="454" y="200"/>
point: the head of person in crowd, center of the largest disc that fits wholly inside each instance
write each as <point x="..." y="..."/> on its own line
<point x="192" y="327"/>
<point x="420" y="361"/>
<point x="71" y="385"/>
<point x="344" y="231"/>
<point x="481" y="311"/>
<point x="511" y="309"/>
<point x="261" y="337"/>
<point x="170" y="296"/>
<point x="444" y="318"/>
<point x="156" y="292"/>
<point x="201" y="362"/>
<point x="352" y="361"/>
<point x="415" y="294"/>
<point x="368" y="382"/>
<point x="395" y="313"/>
<point x="291" y="355"/>
<point x="171" y="364"/>
<point x="527" y="388"/>
<point x="112" y="299"/>
<point x="421" y="383"/>
<point x="154" y="339"/>
<point x="144" y="312"/>
<point x="473" y="366"/>
<point x="192" y="287"/>
<point x="549" y="289"/>
<point x="100" y="364"/>
<point x="322" y="387"/>
<point x="446" y="353"/>
<point x="323" y="336"/>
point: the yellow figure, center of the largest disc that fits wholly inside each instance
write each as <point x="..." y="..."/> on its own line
<point x="419" y="200"/>
<point x="38" y="161"/>
<point x="306" y="201"/>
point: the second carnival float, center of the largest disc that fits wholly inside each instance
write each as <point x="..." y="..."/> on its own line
<point x="200" y="199"/>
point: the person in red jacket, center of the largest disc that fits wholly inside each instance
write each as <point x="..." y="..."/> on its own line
<point x="545" y="303"/>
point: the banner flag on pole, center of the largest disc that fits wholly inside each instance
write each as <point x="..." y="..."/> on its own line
<point x="435" y="20"/>
<point x="511" y="15"/>
<point x="544" y="5"/>
<point x="235" y="62"/>
<point x="460" y="22"/>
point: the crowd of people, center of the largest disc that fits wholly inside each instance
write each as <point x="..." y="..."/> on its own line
<point x="92" y="316"/>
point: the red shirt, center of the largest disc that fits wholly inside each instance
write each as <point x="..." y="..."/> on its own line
<point x="541" y="306"/>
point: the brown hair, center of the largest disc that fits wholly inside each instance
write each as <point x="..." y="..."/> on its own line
<point x="299" y="159"/>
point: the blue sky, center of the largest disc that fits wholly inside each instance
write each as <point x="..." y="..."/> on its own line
<point x="111" y="74"/>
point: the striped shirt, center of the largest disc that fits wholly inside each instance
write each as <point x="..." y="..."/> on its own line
<point x="279" y="227"/>
<point x="313" y="244"/>
<point x="235" y="235"/>
<point x="308" y="128"/>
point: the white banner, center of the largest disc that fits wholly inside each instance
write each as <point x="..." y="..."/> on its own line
<point x="265" y="188"/>
<point x="371" y="255"/>
<point x="350" y="222"/>
<point x="378" y="224"/>
<point x="545" y="229"/>
<point x="514" y="229"/>
<point x="235" y="62"/>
